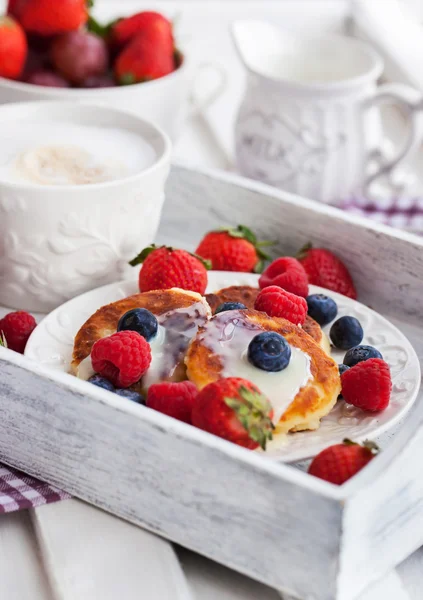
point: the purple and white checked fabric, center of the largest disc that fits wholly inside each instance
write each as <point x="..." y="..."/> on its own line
<point x="19" y="491"/>
<point x="401" y="212"/>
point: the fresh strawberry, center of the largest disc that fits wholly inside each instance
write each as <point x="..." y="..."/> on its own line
<point x="368" y="385"/>
<point x="287" y="273"/>
<point x="148" y="23"/>
<point x="173" y="399"/>
<point x="13" y="48"/>
<point x="236" y="410"/>
<point x="49" y="17"/>
<point x="233" y="249"/>
<point x="277" y="302"/>
<point x="143" y="59"/>
<point x="165" y="268"/>
<point x="326" y="270"/>
<point x="122" y="358"/>
<point x="340" y="462"/>
<point x="15" y="329"/>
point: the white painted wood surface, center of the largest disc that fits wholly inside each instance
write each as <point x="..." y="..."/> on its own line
<point x="114" y="562"/>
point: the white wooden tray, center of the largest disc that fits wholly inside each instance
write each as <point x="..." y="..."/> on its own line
<point x="269" y="521"/>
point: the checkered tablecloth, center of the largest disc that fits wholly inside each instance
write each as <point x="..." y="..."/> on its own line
<point x="401" y="212"/>
<point x="19" y="491"/>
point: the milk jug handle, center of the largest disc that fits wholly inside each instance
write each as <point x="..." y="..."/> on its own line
<point x="411" y="101"/>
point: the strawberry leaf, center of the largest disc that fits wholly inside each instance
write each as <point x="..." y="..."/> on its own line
<point x="140" y="258"/>
<point x="252" y="410"/>
<point x="127" y="79"/>
<point x="103" y="31"/>
<point x="302" y="253"/>
<point x="147" y="251"/>
<point x="204" y="261"/>
<point x="3" y="341"/>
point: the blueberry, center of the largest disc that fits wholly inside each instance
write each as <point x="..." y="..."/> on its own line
<point x="269" y="351"/>
<point x="346" y="333"/>
<point x="360" y="353"/>
<point x="102" y="382"/>
<point x="131" y="395"/>
<point x="230" y="306"/>
<point x="321" y="308"/>
<point x="140" y="320"/>
<point x="342" y="369"/>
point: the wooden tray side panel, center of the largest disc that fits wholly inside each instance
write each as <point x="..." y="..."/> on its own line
<point x="381" y="259"/>
<point x="383" y="518"/>
<point x="235" y="512"/>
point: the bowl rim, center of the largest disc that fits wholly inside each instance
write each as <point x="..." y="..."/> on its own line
<point x="162" y="159"/>
<point x="70" y="93"/>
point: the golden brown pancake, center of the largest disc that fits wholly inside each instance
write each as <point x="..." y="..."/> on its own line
<point x="172" y="307"/>
<point x="247" y="295"/>
<point x="206" y="364"/>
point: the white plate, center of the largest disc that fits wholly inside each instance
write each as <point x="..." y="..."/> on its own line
<point x="52" y="343"/>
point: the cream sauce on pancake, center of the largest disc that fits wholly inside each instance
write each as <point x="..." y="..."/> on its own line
<point x="168" y="347"/>
<point x="228" y="335"/>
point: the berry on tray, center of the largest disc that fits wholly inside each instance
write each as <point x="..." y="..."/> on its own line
<point x="143" y="59"/>
<point x="13" y="48"/>
<point x="287" y="273"/>
<point x="234" y="409"/>
<point x="47" y="79"/>
<point x="321" y="308"/>
<point x="173" y="399"/>
<point x="122" y="358"/>
<point x="79" y="55"/>
<point x="269" y="351"/>
<point x="151" y="24"/>
<point x="340" y="462"/>
<point x="102" y="382"/>
<point x="368" y="385"/>
<point x="277" y="302"/>
<point x="346" y="333"/>
<point x="233" y="249"/>
<point x="49" y="17"/>
<point x="229" y="306"/>
<point x="326" y="270"/>
<point x="16" y="327"/>
<point x="342" y="368"/>
<point x="165" y="268"/>
<point x="141" y="320"/>
<point x="359" y="354"/>
<point x="131" y="395"/>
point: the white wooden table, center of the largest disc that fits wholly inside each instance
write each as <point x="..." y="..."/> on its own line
<point x="71" y="551"/>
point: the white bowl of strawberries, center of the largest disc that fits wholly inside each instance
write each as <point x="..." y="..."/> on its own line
<point x="58" y="51"/>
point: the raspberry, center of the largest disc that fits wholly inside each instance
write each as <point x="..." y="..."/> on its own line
<point x="277" y="302"/>
<point x="16" y="328"/>
<point x="287" y="273"/>
<point x="368" y="385"/>
<point x="173" y="399"/>
<point x="122" y="358"/>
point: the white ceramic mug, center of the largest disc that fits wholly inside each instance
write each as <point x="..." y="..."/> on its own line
<point x="309" y="122"/>
<point x="59" y="241"/>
